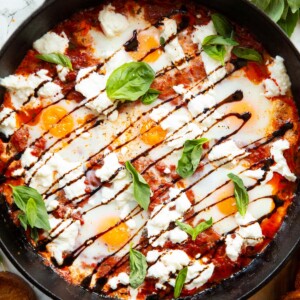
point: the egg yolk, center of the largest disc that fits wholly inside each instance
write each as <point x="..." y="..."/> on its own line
<point x="116" y="237"/>
<point x="152" y="57"/>
<point x="227" y="207"/>
<point x="148" y="40"/>
<point x="154" y="135"/>
<point x="50" y="121"/>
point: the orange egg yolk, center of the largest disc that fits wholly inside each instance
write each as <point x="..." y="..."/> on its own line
<point x="228" y="206"/>
<point x="116" y="237"/>
<point x="154" y="135"/>
<point x="148" y="40"/>
<point x="51" y="120"/>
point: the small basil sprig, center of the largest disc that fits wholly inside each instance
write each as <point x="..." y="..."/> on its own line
<point x="247" y="53"/>
<point x="240" y="194"/>
<point x="194" y="232"/>
<point x="180" y="280"/>
<point x="215" y="45"/>
<point x="56" y="58"/>
<point x="130" y="81"/>
<point x="219" y="40"/>
<point x="150" y="96"/>
<point x="141" y="189"/>
<point x="222" y="25"/>
<point x="190" y="158"/>
<point x="34" y="213"/>
<point x="138" y="268"/>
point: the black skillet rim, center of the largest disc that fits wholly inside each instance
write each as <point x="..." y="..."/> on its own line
<point x="263" y="261"/>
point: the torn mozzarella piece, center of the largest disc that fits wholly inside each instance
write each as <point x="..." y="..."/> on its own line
<point x="110" y="167"/>
<point x="65" y="242"/>
<point x="22" y="87"/>
<point x="100" y="104"/>
<point x="280" y="82"/>
<point x="176" y="54"/>
<point x="51" y="42"/>
<point x="62" y="72"/>
<point x="122" y="278"/>
<point x="112" y="23"/>
<point x="50" y="91"/>
<point x="281" y="165"/>
<point x="227" y="150"/>
<point x="169" y="28"/>
<point x="92" y="85"/>
<point x="169" y="263"/>
<point x="8" y="121"/>
<point x="201" y="32"/>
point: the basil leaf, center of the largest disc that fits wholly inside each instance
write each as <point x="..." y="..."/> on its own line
<point x="216" y="52"/>
<point x="56" y="58"/>
<point x="150" y="96"/>
<point x="240" y="194"/>
<point x="194" y="232"/>
<point x="23" y="220"/>
<point x="21" y="195"/>
<point x="222" y="25"/>
<point x="219" y="40"/>
<point x="34" y="234"/>
<point x="180" y="280"/>
<point x="162" y="41"/>
<point x="262" y="4"/>
<point x="138" y="268"/>
<point x="141" y="189"/>
<point x="285" y="11"/>
<point x="130" y="81"/>
<point x="290" y="22"/>
<point x="31" y="212"/>
<point x="294" y="5"/>
<point x="190" y="158"/>
<point x="275" y="10"/>
<point x="247" y="53"/>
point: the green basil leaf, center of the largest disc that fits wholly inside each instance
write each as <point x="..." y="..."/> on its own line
<point x="31" y="212"/>
<point x="290" y="22"/>
<point x="202" y="227"/>
<point x="294" y="5"/>
<point x="222" y="25"/>
<point x="180" y="280"/>
<point x="162" y="41"/>
<point x="141" y="189"/>
<point x="285" y="11"/>
<point x="185" y="227"/>
<point x="34" y="234"/>
<point x="22" y="194"/>
<point x="56" y="58"/>
<point x="216" y="52"/>
<point x="240" y="194"/>
<point x="130" y="81"/>
<point x="262" y="4"/>
<point x="219" y="40"/>
<point x="194" y="232"/>
<point x="247" y="53"/>
<point x="275" y="10"/>
<point x="138" y="268"/>
<point x="190" y="158"/>
<point x="150" y="96"/>
<point x="23" y="220"/>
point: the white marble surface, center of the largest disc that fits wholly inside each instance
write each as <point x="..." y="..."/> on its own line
<point x="12" y="14"/>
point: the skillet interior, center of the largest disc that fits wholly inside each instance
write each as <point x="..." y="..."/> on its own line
<point x="243" y="284"/>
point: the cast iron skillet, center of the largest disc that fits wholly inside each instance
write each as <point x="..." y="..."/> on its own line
<point x="247" y="281"/>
